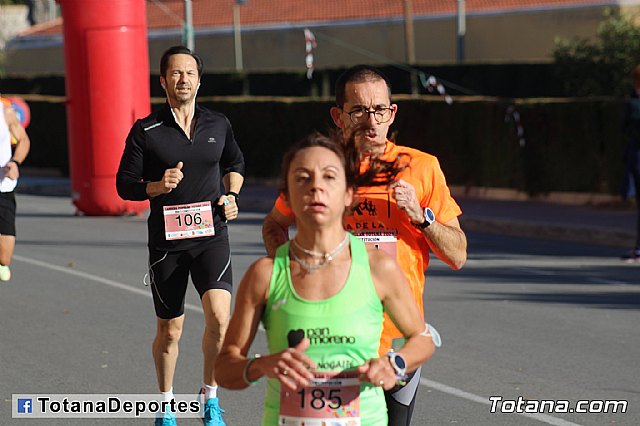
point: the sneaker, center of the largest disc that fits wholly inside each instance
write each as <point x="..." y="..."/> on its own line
<point x="5" y="273"/>
<point x="632" y="256"/>
<point x="212" y="415"/>
<point x="169" y="419"/>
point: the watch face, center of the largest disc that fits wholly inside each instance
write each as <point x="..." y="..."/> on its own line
<point x="428" y="213"/>
<point x="399" y="361"/>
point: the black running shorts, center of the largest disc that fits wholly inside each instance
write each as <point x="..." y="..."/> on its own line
<point x="210" y="268"/>
<point x="402" y="400"/>
<point x="7" y="213"/>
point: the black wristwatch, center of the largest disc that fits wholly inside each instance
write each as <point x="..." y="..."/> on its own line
<point x="429" y="218"/>
<point x="235" y="195"/>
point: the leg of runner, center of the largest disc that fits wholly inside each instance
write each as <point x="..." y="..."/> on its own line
<point x="165" y="356"/>
<point x="7" y="233"/>
<point x="211" y="274"/>
<point x="7" y="243"/>
<point x="216" y="306"/>
<point x="165" y="350"/>
<point x="168" y="278"/>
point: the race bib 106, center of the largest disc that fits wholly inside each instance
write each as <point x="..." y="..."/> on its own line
<point x="188" y="221"/>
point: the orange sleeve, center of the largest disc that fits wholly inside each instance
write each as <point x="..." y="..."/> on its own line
<point x="437" y="195"/>
<point x="282" y="207"/>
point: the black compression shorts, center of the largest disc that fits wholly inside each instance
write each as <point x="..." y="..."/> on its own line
<point x="210" y="268"/>
<point x="7" y="213"/>
<point x="402" y="400"/>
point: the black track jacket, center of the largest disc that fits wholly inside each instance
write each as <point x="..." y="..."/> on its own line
<point x="157" y="143"/>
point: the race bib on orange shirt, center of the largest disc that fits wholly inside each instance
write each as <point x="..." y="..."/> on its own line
<point x="372" y="221"/>
<point x="386" y="241"/>
<point x="188" y="221"/>
<point x="332" y="399"/>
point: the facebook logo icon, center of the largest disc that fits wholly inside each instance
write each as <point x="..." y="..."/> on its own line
<point x="24" y="406"/>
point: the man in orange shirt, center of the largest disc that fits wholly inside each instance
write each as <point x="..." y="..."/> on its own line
<point x="415" y="215"/>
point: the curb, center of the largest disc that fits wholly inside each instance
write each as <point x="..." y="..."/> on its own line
<point x="508" y="194"/>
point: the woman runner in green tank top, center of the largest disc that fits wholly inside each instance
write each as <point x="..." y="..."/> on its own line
<point x="321" y="301"/>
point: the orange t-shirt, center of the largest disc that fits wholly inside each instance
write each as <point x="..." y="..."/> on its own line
<point x="379" y="222"/>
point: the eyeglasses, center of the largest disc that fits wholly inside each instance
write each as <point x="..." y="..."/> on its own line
<point x="380" y="114"/>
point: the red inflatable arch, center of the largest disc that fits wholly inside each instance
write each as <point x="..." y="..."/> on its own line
<point x="107" y="84"/>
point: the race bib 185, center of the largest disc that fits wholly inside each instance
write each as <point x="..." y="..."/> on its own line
<point x="332" y="399"/>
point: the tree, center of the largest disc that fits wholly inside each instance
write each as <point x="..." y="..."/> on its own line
<point x="601" y="67"/>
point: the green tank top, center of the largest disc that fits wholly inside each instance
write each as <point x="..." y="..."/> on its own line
<point x="344" y="330"/>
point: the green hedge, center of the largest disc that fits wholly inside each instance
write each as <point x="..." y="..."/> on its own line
<point x="571" y="145"/>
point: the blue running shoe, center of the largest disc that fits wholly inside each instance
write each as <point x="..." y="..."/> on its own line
<point x="169" y="419"/>
<point x="213" y="413"/>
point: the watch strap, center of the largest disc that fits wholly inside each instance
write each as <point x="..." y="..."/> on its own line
<point x="235" y="195"/>
<point x="423" y="225"/>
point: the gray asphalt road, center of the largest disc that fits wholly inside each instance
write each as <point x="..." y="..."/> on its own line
<point x="540" y="320"/>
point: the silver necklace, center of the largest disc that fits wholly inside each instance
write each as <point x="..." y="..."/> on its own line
<point x="326" y="257"/>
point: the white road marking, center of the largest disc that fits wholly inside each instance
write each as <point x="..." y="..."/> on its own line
<point x="596" y="280"/>
<point x="85" y="275"/>
<point x="535" y="271"/>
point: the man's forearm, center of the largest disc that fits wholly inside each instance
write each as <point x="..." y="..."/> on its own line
<point x="448" y="243"/>
<point x="154" y="189"/>
<point x="233" y="182"/>
<point x="23" y="143"/>
<point x="131" y="188"/>
<point x="21" y="151"/>
<point x="273" y="235"/>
